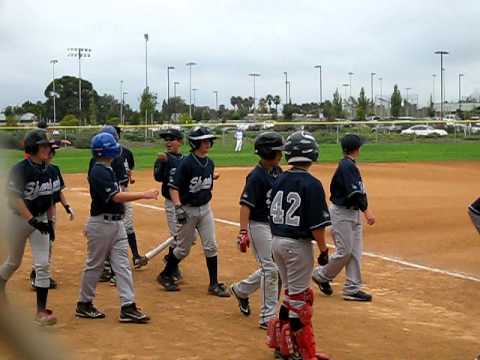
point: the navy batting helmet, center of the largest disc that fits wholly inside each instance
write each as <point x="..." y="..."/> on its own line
<point x="198" y="134"/>
<point x="301" y="147"/>
<point x="109" y="129"/>
<point x="105" y="145"/>
<point x="171" y="134"/>
<point x="267" y="144"/>
<point x="351" y="142"/>
<point x="34" y="139"/>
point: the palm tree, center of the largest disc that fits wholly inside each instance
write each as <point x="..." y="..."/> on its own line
<point x="277" y="101"/>
<point x="234" y="102"/>
<point x="269" y="99"/>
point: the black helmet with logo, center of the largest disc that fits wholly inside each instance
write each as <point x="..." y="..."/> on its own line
<point x="301" y="147"/>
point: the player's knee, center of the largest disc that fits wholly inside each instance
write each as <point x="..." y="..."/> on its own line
<point x="210" y="252"/>
<point x="180" y="252"/>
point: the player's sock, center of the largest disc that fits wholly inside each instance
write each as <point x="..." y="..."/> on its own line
<point x="42" y="294"/>
<point x="171" y="265"/>
<point x="212" y="265"/>
<point x="132" y="242"/>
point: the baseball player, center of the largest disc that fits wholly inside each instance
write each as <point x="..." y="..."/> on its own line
<point x="254" y="228"/>
<point x="298" y="215"/>
<point x="58" y="185"/>
<point x="349" y="201"/>
<point x="122" y="166"/>
<point x="474" y="212"/>
<point x="106" y="235"/>
<point x="191" y="192"/>
<point x="30" y="200"/>
<point x="164" y="172"/>
<point x="239" y="139"/>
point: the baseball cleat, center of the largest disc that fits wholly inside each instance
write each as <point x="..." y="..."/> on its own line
<point x="358" y="296"/>
<point x="263" y="325"/>
<point x="88" y="311"/>
<point x="131" y="314"/>
<point x="106" y="275"/>
<point x="219" y="290"/>
<point x="278" y="356"/>
<point x="243" y="303"/>
<point x="324" y="286"/>
<point x="113" y="281"/>
<point x="53" y="284"/>
<point x="33" y="275"/>
<point x="139" y="262"/>
<point x="167" y="282"/>
<point x="45" y="318"/>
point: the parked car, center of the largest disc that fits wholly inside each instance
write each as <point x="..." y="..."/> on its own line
<point x="424" y="130"/>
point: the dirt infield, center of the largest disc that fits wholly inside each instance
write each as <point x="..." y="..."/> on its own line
<point x="416" y="313"/>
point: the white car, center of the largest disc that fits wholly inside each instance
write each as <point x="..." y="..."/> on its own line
<point x="424" y="130"/>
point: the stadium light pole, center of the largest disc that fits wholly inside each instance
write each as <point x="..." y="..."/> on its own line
<point x="175" y="83"/>
<point x="121" y="101"/>
<point x="54" y="94"/>
<point x="146" y="37"/>
<point x="460" y="76"/>
<point x="345" y="86"/>
<point x="442" y="53"/>
<point x="380" y="80"/>
<point x="289" y="91"/>
<point x="189" y="65"/>
<point x="350" y="75"/>
<point x="194" y="96"/>
<point x="286" y="87"/>
<point x="79" y="53"/>
<point x="123" y="104"/>
<point x="319" y="67"/>
<point x="254" y="75"/>
<point x="406" y="99"/>
<point x="371" y="87"/>
<point x="168" y="82"/>
<point x="434" y="76"/>
<point x="216" y="99"/>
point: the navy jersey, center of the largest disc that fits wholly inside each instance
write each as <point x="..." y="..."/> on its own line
<point x="194" y="180"/>
<point x="57" y="182"/>
<point x="103" y="187"/>
<point x="347" y="188"/>
<point x="257" y="188"/>
<point x="164" y="171"/>
<point x="32" y="183"/>
<point x="118" y="166"/>
<point x="128" y="159"/>
<point x="298" y="205"/>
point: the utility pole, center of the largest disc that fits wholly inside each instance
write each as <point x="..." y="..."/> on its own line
<point x="121" y="101"/>
<point x="168" y="83"/>
<point x="189" y="65"/>
<point x="254" y="75"/>
<point x="146" y="84"/>
<point x="79" y="53"/>
<point x="441" y="53"/>
<point x="319" y="67"/>
<point x="286" y="87"/>
<point x="54" y="94"/>
<point x="371" y="88"/>
<point x="216" y="99"/>
<point x="407" y="102"/>
<point x="350" y="75"/>
<point x="460" y="76"/>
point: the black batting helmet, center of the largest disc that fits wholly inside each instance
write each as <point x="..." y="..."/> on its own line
<point x="171" y="133"/>
<point x="301" y="147"/>
<point x="267" y="144"/>
<point x="34" y="139"/>
<point x="198" y="134"/>
<point x="351" y="142"/>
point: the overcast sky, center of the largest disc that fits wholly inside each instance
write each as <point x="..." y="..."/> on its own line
<point x="229" y="39"/>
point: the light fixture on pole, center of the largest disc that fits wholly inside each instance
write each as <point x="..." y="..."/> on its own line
<point x="168" y="82"/>
<point x="79" y="53"/>
<point x="319" y="67"/>
<point x="460" y="76"/>
<point x="189" y="65"/>
<point x="254" y="75"/>
<point x="216" y="99"/>
<point x="286" y="87"/>
<point x="441" y="53"/>
<point x="54" y="94"/>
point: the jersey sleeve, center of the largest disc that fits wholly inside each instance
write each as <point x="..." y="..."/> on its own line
<point x="316" y="211"/>
<point x="181" y="177"/>
<point x="60" y="178"/>
<point x="159" y="170"/>
<point x="103" y="181"/>
<point x="250" y="192"/>
<point x="16" y="181"/>
<point x="130" y="159"/>
<point x="90" y="165"/>
<point x="351" y="180"/>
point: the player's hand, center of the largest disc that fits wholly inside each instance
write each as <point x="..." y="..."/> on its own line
<point x="323" y="258"/>
<point x="181" y="215"/>
<point x="243" y="240"/>
<point x="369" y="217"/>
<point x="70" y="212"/>
<point x="151" y="194"/>
<point x="216" y="176"/>
<point x="40" y="226"/>
<point x="132" y="180"/>
<point x="162" y="156"/>
<point x="51" y="230"/>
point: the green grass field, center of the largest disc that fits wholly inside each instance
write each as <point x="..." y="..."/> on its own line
<point x="76" y="160"/>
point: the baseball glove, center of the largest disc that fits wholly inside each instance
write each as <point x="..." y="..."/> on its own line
<point x="181" y="215"/>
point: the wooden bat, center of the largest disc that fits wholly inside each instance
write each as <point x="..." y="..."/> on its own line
<point x="159" y="248"/>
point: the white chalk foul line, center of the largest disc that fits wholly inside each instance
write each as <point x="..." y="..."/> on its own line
<point x="409" y="264"/>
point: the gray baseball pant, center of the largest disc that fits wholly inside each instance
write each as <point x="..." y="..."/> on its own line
<point x="171" y="218"/>
<point x="347" y="233"/>
<point x="266" y="277"/>
<point x="128" y="216"/>
<point x="200" y="218"/>
<point x="19" y="230"/>
<point x="294" y="258"/>
<point x="106" y="238"/>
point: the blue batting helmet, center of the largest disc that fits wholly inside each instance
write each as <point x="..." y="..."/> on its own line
<point x="105" y="145"/>
<point x="110" y="130"/>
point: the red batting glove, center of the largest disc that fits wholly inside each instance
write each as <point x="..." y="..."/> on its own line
<point x="243" y="240"/>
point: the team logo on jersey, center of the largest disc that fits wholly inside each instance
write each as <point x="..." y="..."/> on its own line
<point x="198" y="183"/>
<point x="34" y="189"/>
<point x="56" y="186"/>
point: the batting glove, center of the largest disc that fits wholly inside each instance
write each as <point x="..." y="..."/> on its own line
<point x="40" y="226"/>
<point x="323" y="258"/>
<point x="243" y="240"/>
<point x="70" y="212"/>
<point x="181" y="215"/>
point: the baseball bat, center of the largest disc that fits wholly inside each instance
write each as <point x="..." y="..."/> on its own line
<point x="159" y="248"/>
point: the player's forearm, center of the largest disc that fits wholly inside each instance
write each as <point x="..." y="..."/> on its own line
<point x="52" y="213"/>
<point x="319" y="235"/>
<point x="175" y="196"/>
<point x="244" y="217"/>
<point x="22" y="209"/>
<point x="63" y="200"/>
<point x="123" y="197"/>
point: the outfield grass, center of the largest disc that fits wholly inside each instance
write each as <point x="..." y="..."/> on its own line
<point x="76" y="160"/>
